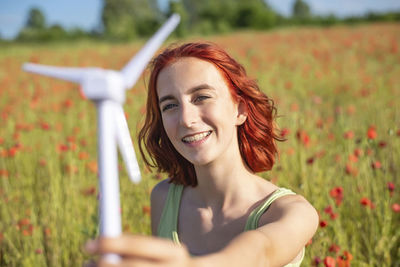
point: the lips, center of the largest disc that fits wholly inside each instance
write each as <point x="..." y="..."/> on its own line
<point x="196" y="137"/>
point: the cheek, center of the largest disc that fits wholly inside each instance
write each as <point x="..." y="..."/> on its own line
<point x="169" y="129"/>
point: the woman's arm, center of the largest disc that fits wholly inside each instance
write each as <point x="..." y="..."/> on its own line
<point x="276" y="243"/>
<point x="290" y="223"/>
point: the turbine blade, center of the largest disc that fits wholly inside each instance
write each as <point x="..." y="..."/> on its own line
<point x="64" y="73"/>
<point x="138" y="63"/>
<point x="125" y="146"/>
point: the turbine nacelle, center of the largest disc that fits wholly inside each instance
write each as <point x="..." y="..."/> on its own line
<point x="101" y="84"/>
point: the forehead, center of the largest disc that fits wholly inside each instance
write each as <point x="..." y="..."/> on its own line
<point x="188" y="72"/>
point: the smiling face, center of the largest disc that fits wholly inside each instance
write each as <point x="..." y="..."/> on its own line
<point x="198" y="112"/>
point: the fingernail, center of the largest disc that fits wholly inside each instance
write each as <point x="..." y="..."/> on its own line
<point x="91" y="246"/>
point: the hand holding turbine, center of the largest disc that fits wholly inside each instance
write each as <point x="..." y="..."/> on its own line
<point x="106" y="88"/>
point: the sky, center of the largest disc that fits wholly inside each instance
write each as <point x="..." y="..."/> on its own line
<point x="86" y="14"/>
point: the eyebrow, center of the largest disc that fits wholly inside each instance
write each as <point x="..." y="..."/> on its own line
<point x="190" y="91"/>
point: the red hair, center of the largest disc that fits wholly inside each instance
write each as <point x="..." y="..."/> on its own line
<point x="256" y="136"/>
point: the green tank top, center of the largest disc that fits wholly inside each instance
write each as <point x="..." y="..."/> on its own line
<point x="168" y="226"/>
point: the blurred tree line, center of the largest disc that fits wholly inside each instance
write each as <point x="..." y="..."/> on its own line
<point x="123" y="20"/>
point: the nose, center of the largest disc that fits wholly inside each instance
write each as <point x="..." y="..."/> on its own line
<point x="188" y="115"/>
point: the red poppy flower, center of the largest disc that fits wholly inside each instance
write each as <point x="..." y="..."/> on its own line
<point x="285" y="132"/>
<point x="367" y="202"/>
<point x="371" y="133"/>
<point x="396" y="207"/>
<point x="303" y="137"/>
<point x="358" y="152"/>
<point x="348" y="135"/>
<point x="376" y="164"/>
<point x="390" y="186"/>
<point x="329" y="262"/>
<point x="345" y="259"/>
<point x="334" y="248"/>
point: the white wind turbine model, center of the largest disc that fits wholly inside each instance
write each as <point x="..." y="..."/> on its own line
<point x="106" y="88"/>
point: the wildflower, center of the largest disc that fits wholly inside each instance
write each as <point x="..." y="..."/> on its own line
<point x="371" y="133"/>
<point x="146" y="210"/>
<point x="351" y="170"/>
<point x="83" y="155"/>
<point x="337" y="194"/>
<point x="334" y="248"/>
<point x="62" y="148"/>
<point x="294" y="107"/>
<point x="376" y="165"/>
<point x="89" y="191"/>
<point x="45" y="126"/>
<point x="71" y="169"/>
<point x="367" y="202"/>
<point x="12" y="151"/>
<point x="290" y="151"/>
<point x="382" y="144"/>
<point x="3" y="173"/>
<point x="38" y="251"/>
<point x="319" y="124"/>
<point x="390" y="187"/>
<point x="351" y="110"/>
<point x="329" y="262"/>
<point x="47" y="231"/>
<point x="71" y="139"/>
<point x="328" y="209"/>
<point x="288" y="85"/>
<point x="323" y="223"/>
<point x="284" y="132"/>
<point x="310" y="160"/>
<point x="68" y="103"/>
<point x="358" y="152"/>
<point x="396" y="207"/>
<point x="92" y="166"/>
<point x="303" y="137"/>
<point x="353" y="158"/>
<point x="345" y="259"/>
<point x="83" y="142"/>
<point x="316" y="261"/>
<point x="348" y="135"/>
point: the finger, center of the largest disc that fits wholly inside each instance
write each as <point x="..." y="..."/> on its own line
<point x="140" y="247"/>
<point x="132" y="263"/>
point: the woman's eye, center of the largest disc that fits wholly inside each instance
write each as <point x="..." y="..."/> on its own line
<point x="168" y="107"/>
<point x="201" y="98"/>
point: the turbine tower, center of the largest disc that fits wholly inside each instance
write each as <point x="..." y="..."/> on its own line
<point x="106" y="88"/>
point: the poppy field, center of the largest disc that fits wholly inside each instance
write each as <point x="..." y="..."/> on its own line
<point x="337" y="93"/>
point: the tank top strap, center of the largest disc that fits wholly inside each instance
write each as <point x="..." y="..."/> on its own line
<point x="168" y="226"/>
<point x="255" y="215"/>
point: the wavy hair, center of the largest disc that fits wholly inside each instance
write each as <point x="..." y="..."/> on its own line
<point x="256" y="136"/>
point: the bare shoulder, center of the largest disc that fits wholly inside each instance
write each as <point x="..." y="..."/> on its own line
<point x="294" y="209"/>
<point x="158" y="198"/>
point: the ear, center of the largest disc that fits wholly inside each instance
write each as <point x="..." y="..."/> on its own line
<point x="242" y="112"/>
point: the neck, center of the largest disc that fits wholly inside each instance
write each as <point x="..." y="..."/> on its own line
<point x="220" y="185"/>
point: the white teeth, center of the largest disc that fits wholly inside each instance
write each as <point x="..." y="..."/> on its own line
<point x="195" y="138"/>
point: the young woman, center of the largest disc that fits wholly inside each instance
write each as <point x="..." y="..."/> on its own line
<point x="211" y="129"/>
